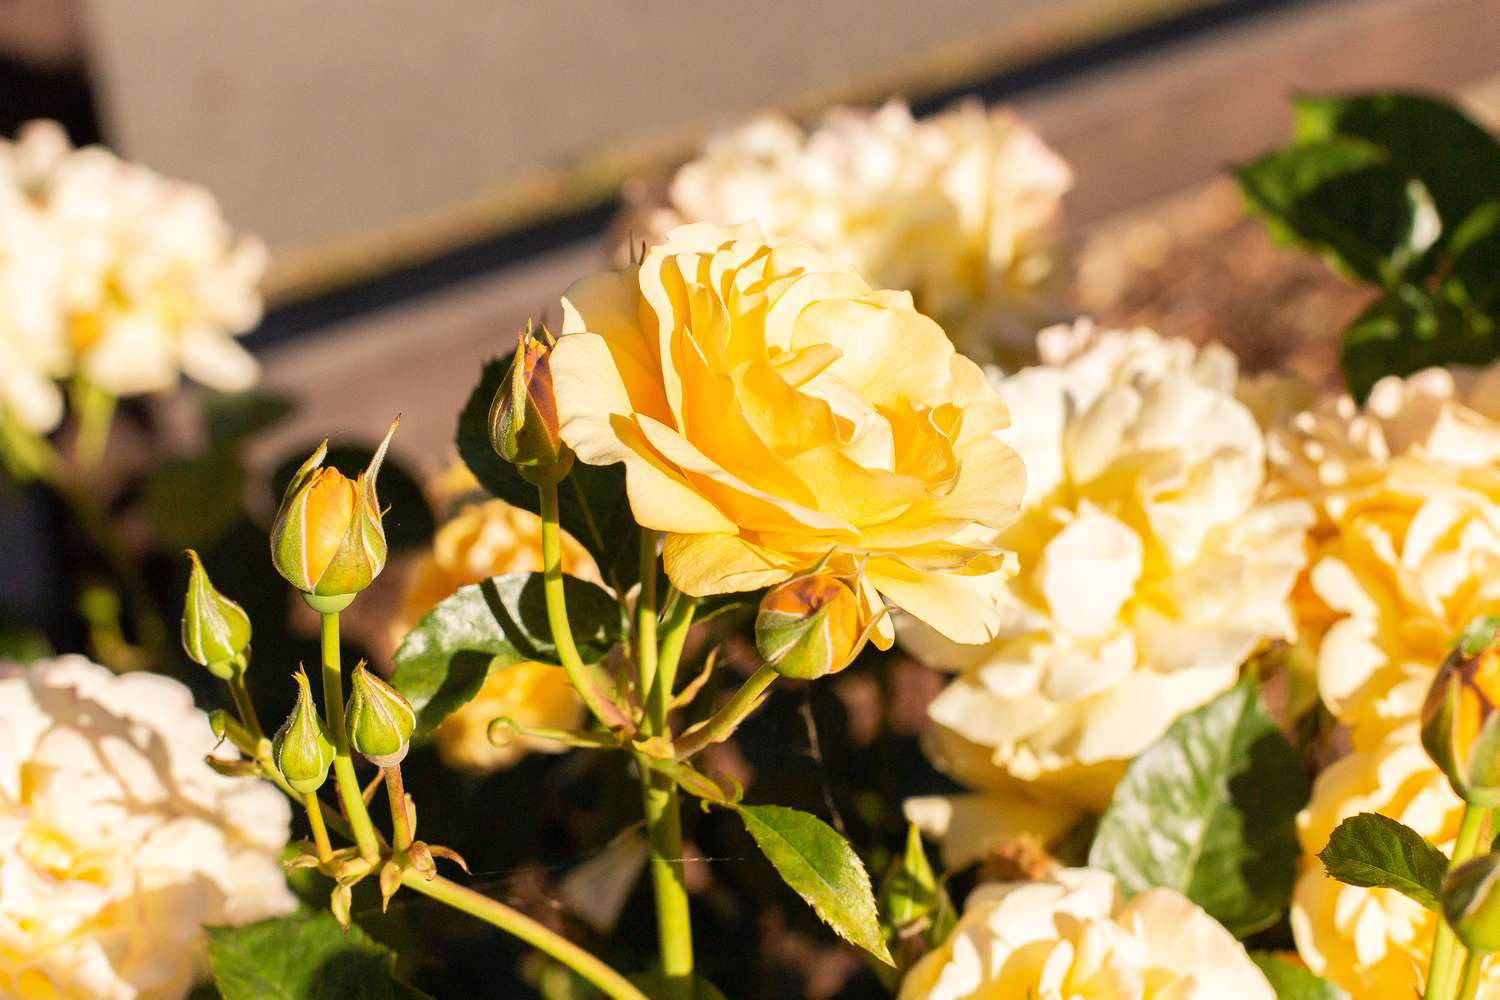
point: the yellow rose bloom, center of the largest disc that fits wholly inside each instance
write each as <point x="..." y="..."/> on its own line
<point x="1407" y="544"/>
<point x="771" y="409"/>
<point x="484" y="540"/>
<point x="1072" y="936"/>
<point x="1151" y="568"/>
<point x="1373" y="942"/>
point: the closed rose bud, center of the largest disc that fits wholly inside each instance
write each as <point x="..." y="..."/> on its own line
<point x="523" y="417"/>
<point x="328" y="540"/>
<point x="301" y="748"/>
<point x="1460" y="724"/>
<point x="379" y="719"/>
<point x="1472" y="904"/>
<point x="215" y="630"/>
<point x="810" y="626"/>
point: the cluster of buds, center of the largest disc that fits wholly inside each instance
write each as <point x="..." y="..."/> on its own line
<point x="215" y="630"/>
<point x="813" y="625"/>
<point x="1460" y="725"/>
<point x="328" y="540"/>
<point x="523" y="417"/>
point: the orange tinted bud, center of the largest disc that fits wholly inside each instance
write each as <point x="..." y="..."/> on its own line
<point x="1460" y="725"/>
<point x="524" y="426"/>
<point x="810" y="626"/>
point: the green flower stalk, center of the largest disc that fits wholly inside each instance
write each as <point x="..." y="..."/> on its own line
<point x="301" y="748"/>
<point x="523" y="417"/>
<point x="328" y="540"/>
<point x="378" y="719"/>
<point x="215" y="630"/>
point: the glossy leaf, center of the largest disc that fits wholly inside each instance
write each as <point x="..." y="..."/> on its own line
<point x="1408" y="330"/>
<point x="1209" y="811"/>
<point x="1457" y="160"/>
<point x="1475" y="250"/>
<point x="604" y="524"/>
<point x="1376" y="851"/>
<point x="823" y="869"/>
<point x="1345" y="199"/>
<point x="443" y="661"/>
<point x="303" y="957"/>
<point x="1293" y="981"/>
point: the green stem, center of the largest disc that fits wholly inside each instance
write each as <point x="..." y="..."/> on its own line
<point x="319" y="828"/>
<point x="1445" y="948"/>
<point x="727" y="719"/>
<point x="646" y="614"/>
<point x="395" y="791"/>
<point x="1473" y="976"/>
<point x="659" y="799"/>
<point x="242" y="703"/>
<point x="557" y="609"/>
<point x="499" y="915"/>
<point x="343" y="764"/>
<point x="96" y="413"/>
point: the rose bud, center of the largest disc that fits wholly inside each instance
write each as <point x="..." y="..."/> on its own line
<point x="1471" y="903"/>
<point x="379" y="719"/>
<point x="1460" y="727"/>
<point x="810" y="626"/>
<point x="301" y="748"/>
<point x="215" y="630"/>
<point x="523" y="417"/>
<point x="328" y="540"/>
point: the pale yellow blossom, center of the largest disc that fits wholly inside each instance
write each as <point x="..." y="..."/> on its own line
<point x="1152" y="567"/>
<point x="962" y="208"/>
<point x="773" y="410"/>
<point x="480" y="541"/>
<point x="1073" y="936"/>
<point x="118" y="844"/>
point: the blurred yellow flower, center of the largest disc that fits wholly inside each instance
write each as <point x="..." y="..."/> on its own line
<point x="963" y="207"/>
<point x="1373" y="942"/>
<point x="772" y="408"/>
<point x="484" y="540"/>
<point x="1151" y="569"/>
<point x="1072" y="936"/>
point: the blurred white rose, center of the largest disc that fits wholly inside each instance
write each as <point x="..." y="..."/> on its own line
<point x="144" y="278"/>
<point x="117" y="842"/>
<point x="962" y="208"/>
<point x="1072" y="936"/>
<point x="1151" y="568"/>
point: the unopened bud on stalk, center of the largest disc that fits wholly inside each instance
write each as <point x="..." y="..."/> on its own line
<point x="379" y="719"/>
<point x="215" y="630"/>
<point x="328" y="540"/>
<point x="1460" y="724"/>
<point x="811" y="626"/>
<point x="523" y="417"/>
<point x="1472" y="904"/>
<point x="301" y="748"/>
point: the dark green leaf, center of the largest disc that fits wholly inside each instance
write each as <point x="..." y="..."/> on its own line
<point x="1407" y="330"/>
<point x="193" y="502"/>
<point x="1209" y="810"/>
<point x="303" y="957"/>
<point x="487" y="626"/>
<point x="1374" y="850"/>
<point x="231" y="418"/>
<point x="819" y="864"/>
<point x="408" y="520"/>
<point x="1292" y="981"/>
<point x="654" y="984"/>
<point x="1475" y="250"/>
<point x="1345" y="199"/>
<point x="1428" y="139"/>
<point x="604" y="525"/>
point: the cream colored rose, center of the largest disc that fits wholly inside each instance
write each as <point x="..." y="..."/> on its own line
<point x="773" y="410"/>
<point x="1151" y="568"/>
<point x="1407" y="543"/>
<point x="484" y="540"/>
<point x="1373" y="942"/>
<point x="963" y="208"/>
<point x="154" y="282"/>
<point x="1073" y="937"/>
<point x="118" y="844"/>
